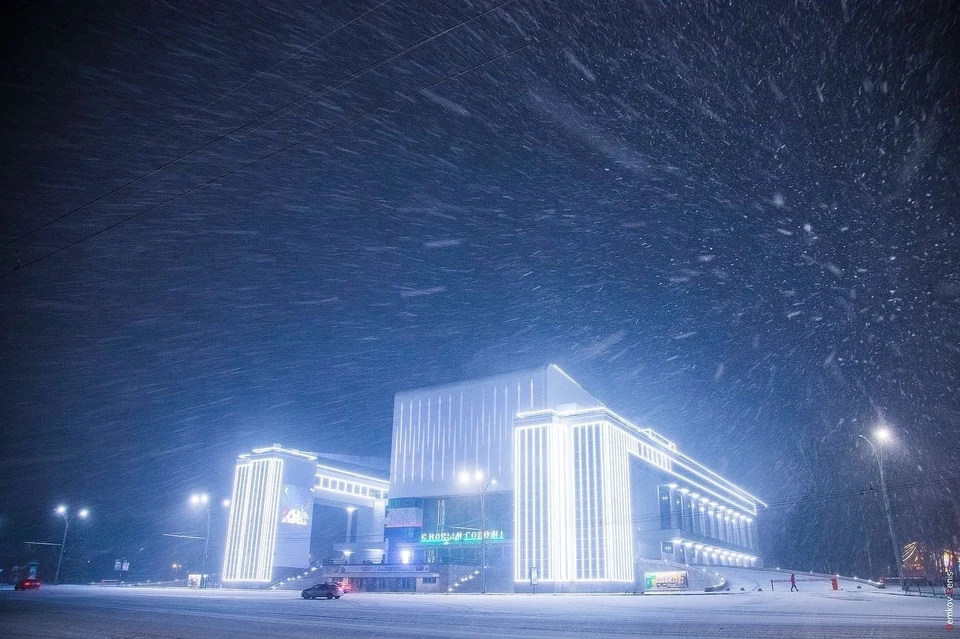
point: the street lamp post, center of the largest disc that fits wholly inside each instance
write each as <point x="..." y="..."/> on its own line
<point x="882" y="435"/>
<point x="204" y="500"/>
<point x="61" y="510"/>
<point x="478" y="481"/>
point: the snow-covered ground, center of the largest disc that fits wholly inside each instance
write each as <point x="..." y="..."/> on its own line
<point x="753" y="579"/>
<point x="75" y="612"/>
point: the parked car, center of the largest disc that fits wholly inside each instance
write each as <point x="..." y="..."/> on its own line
<point x="330" y="591"/>
<point x="27" y="584"/>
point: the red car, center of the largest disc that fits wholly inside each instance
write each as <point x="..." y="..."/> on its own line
<point x="343" y="586"/>
<point x="27" y="584"/>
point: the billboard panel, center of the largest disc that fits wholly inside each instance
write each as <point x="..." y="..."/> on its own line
<point x="666" y="581"/>
<point x="296" y="505"/>
<point x="294" y="514"/>
<point x="404" y="518"/>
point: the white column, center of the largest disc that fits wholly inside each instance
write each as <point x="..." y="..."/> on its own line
<point x="350" y="510"/>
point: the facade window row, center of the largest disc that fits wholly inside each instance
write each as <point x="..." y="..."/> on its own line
<point x="251" y="529"/>
<point x="654" y="456"/>
<point x="325" y="482"/>
<point x="681" y="509"/>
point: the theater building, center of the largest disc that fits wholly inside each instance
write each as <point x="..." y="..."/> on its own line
<point x="551" y="485"/>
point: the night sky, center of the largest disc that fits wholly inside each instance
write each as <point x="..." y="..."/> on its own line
<point x="243" y="223"/>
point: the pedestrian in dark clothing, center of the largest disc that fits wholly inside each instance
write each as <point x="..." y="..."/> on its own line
<point x="793" y="583"/>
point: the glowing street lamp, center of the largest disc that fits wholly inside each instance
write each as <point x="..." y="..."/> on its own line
<point x="62" y="510"/>
<point x="203" y="499"/>
<point x="481" y="485"/>
<point x="883" y="435"/>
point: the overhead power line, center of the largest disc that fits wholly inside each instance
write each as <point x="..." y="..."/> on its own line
<point x="535" y="41"/>
<point x="209" y="142"/>
<point x="280" y="111"/>
<point x="183" y="536"/>
<point x="256" y="76"/>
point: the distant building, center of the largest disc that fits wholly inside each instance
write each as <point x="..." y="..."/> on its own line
<point x="923" y="560"/>
<point x="574" y="495"/>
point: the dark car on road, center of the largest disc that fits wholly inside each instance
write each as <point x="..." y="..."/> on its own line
<point x="27" y="584"/>
<point x="330" y="591"/>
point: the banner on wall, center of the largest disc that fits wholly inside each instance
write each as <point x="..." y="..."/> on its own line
<point x="666" y="581"/>
<point x="404" y="518"/>
<point x="296" y="505"/>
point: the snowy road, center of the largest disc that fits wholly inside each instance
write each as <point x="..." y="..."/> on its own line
<point x="141" y="613"/>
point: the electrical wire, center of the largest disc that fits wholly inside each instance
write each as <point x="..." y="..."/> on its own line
<point x="535" y="41"/>
<point x="279" y="111"/>
<point x="257" y="76"/>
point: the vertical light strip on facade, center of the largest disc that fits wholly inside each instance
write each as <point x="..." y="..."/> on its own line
<point x="573" y="503"/>
<point x="583" y="485"/>
<point x="231" y="528"/>
<point x="596" y="500"/>
<point x="528" y="515"/>
<point x="534" y="439"/>
<point x="252" y="528"/>
<point x="422" y="438"/>
<point x="485" y="431"/>
<point x="621" y="567"/>
<point x="583" y="498"/>
<point x="580" y="512"/>
<point x="542" y="497"/>
<point x="609" y="547"/>
<point x="248" y="524"/>
<point x="518" y="486"/>
<point x="444" y="438"/>
<point x="533" y="532"/>
<point x="412" y="439"/>
<point x="460" y="437"/>
<point x="507" y="435"/>
<point x="594" y="505"/>
<point x="401" y="446"/>
<point x="431" y="438"/>
<point x="554" y="486"/>
<point x="539" y="514"/>
<point x="273" y="470"/>
<point x="245" y="477"/>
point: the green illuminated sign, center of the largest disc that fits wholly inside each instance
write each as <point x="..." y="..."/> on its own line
<point x="461" y="537"/>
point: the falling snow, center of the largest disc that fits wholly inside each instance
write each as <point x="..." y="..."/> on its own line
<point x="235" y="225"/>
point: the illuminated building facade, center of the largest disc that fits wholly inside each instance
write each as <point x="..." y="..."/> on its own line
<point x="527" y="466"/>
<point x="276" y="492"/>
<point x="595" y="494"/>
<point x="575" y="494"/>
